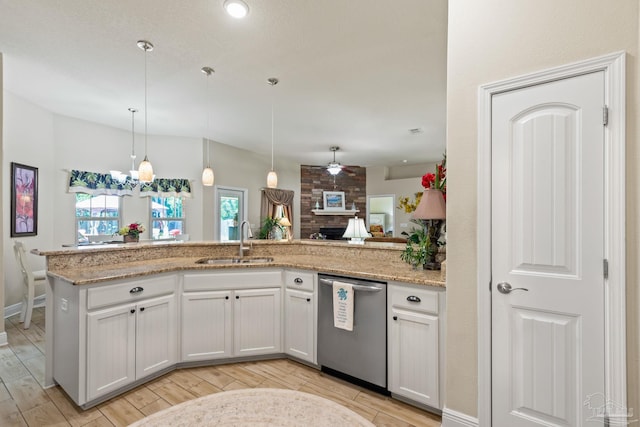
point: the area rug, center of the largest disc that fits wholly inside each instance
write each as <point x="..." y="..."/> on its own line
<point x="256" y="407"/>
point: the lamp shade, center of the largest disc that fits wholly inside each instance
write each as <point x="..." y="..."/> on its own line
<point x="207" y="177"/>
<point x="145" y="171"/>
<point x="272" y="179"/>
<point x="284" y="221"/>
<point x="431" y="206"/>
<point x="356" y="231"/>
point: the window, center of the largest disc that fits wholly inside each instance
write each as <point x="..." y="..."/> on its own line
<point x="230" y="213"/>
<point x="167" y="217"/>
<point x="96" y="216"/>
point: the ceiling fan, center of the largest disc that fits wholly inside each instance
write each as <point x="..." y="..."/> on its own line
<point x="334" y="168"/>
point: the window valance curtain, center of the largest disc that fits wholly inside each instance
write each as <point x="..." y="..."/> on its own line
<point x="271" y="198"/>
<point x="96" y="184"/>
<point x="166" y="187"/>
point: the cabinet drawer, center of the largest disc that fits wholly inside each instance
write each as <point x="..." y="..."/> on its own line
<point x="413" y="298"/>
<point x="106" y="295"/>
<point x="232" y="280"/>
<point x="299" y="280"/>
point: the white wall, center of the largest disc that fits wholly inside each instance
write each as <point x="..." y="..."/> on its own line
<point x="56" y="144"/>
<point x="2" y="215"/>
<point x="491" y="40"/>
<point x="28" y="139"/>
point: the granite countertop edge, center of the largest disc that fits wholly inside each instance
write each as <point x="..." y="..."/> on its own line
<point x="400" y="272"/>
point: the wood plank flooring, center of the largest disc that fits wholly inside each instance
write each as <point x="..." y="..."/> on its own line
<point x="24" y="402"/>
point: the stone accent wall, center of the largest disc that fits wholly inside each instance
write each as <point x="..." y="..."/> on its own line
<point x="315" y="180"/>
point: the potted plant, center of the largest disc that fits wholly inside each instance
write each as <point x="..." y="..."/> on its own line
<point x="419" y="248"/>
<point x="131" y="232"/>
<point x="271" y="229"/>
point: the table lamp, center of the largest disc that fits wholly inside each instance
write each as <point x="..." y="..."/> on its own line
<point x="432" y="208"/>
<point x="356" y="231"/>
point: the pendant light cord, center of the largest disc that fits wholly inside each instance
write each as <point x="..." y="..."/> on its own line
<point x="208" y="122"/>
<point x="272" y="132"/>
<point x="272" y="81"/>
<point x="146" y="50"/>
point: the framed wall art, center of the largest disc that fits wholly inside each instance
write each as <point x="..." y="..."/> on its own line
<point x="24" y="200"/>
<point x="333" y="200"/>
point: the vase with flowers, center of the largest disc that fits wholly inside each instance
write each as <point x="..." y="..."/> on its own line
<point x="423" y="242"/>
<point x="131" y="233"/>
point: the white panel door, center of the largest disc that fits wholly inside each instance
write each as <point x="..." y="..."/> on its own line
<point x="548" y="238"/>
<point x="156" y="337"/>
<point x="111" y="349"/>
<point x="257" y="321"/>
<point x="206" y="325"/>
<point x="413" y="356"/>
<point x="299" y="325"/>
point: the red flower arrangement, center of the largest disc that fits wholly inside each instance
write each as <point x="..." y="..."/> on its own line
<point x="437" y="180"/>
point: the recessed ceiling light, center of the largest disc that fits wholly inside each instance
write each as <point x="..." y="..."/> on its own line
<point x="236" y="8"/>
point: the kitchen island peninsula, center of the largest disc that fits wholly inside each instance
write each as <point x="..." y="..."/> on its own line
<point x="120" y="315"/>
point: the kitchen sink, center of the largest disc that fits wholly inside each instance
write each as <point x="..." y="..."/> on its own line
<point x="235" y="260"/>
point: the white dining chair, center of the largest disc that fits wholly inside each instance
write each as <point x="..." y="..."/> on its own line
<point x="30" y="279"/>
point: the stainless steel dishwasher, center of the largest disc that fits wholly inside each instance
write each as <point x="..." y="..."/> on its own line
<point x="359" y="355"/>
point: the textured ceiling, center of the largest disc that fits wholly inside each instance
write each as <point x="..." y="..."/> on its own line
<point x="353" y="73"/>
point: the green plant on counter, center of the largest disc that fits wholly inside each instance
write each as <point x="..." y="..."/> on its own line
<point x="418" y="249"/>
<point x="268" y="226"/>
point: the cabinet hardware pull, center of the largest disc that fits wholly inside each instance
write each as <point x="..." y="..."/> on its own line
<point x="413" y="298"/>
<point x="395" y="317"/>
<point x="133" y="310"/>
<point x="308" y="299"/>
<point x="136" y="290"/>
<point x="141" y="308"/>
<point x="227" y="297"/>
<point x="298" y="281"/>
<point x="237" y="297"/>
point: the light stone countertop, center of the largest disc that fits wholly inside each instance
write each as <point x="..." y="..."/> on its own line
<point x="83" y="266"/>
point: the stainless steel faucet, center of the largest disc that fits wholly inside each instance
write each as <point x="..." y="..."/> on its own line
<point x="249" y="235"/>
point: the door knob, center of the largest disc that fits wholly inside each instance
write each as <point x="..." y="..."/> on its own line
<point x="505" y="288"/>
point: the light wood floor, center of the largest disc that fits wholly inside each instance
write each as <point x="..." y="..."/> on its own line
<point x="23" y="401"/>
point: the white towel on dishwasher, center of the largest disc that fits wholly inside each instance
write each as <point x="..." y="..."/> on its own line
<point x="343" y="305"/>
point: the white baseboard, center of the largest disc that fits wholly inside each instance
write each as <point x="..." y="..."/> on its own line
<point x="14" y="309"/>
<point x="451" y="418"/>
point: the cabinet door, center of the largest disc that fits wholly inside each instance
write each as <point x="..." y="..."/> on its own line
<point x="257" y="322"/>
<point x="111" y="346"/>
<point x="413" y="356"/>
<point x="156" y="335"/>
<point x="206" y="325"/>
<point x="299" y="326"/>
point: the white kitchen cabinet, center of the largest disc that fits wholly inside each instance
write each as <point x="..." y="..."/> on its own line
<point x="300" y="308"/>
<point x="414" y="349"/>
<point x="257" y="321"/>
<point x="299" y="326"/>
<point x="229" y="314"/>
<point x="207" y="326"/>
<point x="111" y="349"/>
<point x="129" y="342"/>
<point x="112" y="334"/>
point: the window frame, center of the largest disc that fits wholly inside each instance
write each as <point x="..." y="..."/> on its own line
<point x="181" y="219"/>
<point x="78" y="219"/>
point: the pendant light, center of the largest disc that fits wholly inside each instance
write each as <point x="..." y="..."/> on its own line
<point x="133" y="171"/>
<point x="272" y="177"/>
<point x="145" y="170"/>
<point x="334" y="167"/>
<point x="207" y="173"/>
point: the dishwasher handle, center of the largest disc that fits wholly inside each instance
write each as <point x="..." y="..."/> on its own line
<point x="355" y="287"/>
